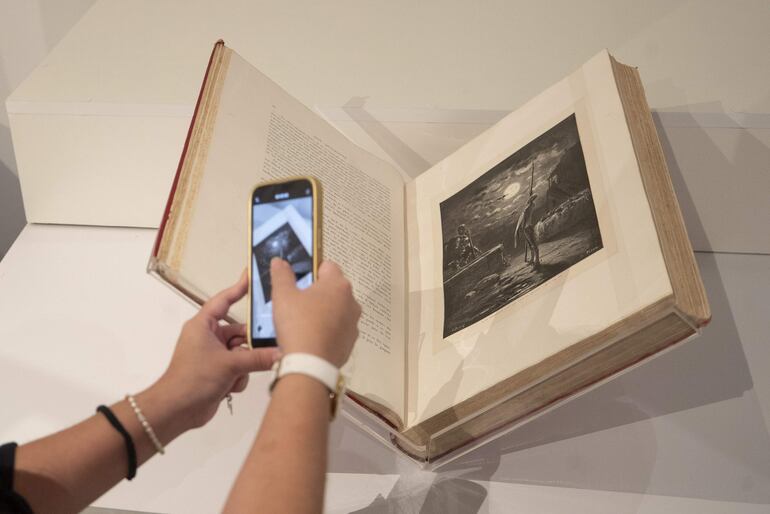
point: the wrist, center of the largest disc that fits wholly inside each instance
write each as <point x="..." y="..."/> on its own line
<point x="314" y="368"/>
<point x="302" y="381"/>
<point x="305" y="392"/>
<point x="169" y="414"/>
<point x="327" y="356"/>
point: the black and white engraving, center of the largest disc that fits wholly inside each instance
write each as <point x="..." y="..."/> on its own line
<point x="283" y="243"/>
<point x="524" y="221"/>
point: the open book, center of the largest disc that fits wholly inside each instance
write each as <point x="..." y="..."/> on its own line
<point x="543" y="256"/>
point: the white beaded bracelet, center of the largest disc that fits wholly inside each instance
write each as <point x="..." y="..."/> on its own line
<point x="146" y="425"/>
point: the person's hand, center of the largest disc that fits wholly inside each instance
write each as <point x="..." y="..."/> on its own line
<point x="209" y="362"/>
<point x="321" y="320"/>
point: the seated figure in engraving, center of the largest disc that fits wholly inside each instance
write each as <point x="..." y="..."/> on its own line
<point x="460" y="250"/>
<point x="466" y="251"/>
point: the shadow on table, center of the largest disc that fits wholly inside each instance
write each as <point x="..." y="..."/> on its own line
<point x="710" y="370"/>
<point x="441" y="496"/>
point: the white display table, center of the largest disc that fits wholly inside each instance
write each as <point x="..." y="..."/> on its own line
<point x="81" y="324"/>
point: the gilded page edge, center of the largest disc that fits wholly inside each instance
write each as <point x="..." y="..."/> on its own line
<point x="198" y="162"/>
<point x="193" y="161"/>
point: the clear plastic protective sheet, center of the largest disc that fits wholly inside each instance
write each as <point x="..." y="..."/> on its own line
<point x="381" y="431"/>
<point x="622" y="274"/>
<point x="457" y="369"/>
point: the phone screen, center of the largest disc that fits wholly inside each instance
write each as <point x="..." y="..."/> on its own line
<point x="282" y="226"/>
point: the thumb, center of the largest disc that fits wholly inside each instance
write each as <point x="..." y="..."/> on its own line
<point x="281" y="277"/>
<point x="258" y="359"/>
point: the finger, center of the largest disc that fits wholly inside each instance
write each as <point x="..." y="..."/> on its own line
<point x="240" y="384"/>
<point x="282" y="278"/>
<point x="258" y="359"/>
<point x="220" y="303"/>
<point x="357" y="309"/>
<point x="328" y="269"/>
<point x="232" y="334"/>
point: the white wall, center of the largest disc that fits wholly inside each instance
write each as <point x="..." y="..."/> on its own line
<point x="28" y="31"/>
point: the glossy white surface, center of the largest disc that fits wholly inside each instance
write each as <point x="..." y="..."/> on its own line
<point x="81" y="324"/>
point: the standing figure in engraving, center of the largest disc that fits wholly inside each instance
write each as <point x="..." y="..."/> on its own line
<point x="526" y="225"/>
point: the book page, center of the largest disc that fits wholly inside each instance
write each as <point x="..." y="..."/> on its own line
<point x="532" y="237"/>
<point x="262" y="133"/>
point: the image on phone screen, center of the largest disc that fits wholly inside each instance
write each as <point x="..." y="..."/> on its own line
<point x="282" y="225"/>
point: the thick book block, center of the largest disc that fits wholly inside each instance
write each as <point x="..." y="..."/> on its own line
<point x="541" y="258"/>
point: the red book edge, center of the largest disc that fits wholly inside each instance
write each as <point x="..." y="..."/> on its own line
<point x="170" y="200"/>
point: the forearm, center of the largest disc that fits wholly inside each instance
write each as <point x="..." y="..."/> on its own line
<point x="67" y="471"/>
<point x="286" y="468"/>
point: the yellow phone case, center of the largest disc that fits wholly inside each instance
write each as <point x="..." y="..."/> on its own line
<point x="316" y="195"/>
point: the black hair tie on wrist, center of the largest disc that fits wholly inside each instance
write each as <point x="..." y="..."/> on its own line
<point x="130" y="448"/>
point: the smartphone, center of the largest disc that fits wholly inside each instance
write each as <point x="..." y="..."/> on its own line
<point x="284" y="220"/>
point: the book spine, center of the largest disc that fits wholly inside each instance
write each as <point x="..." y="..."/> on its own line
<point x="170" y="201"/>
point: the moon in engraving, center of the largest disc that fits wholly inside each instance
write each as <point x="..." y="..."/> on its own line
<point x="511" y="190"/>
